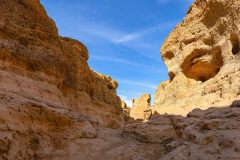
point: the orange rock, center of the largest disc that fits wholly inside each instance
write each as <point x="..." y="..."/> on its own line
<point x="53" y="106"/>
<point x="48" y="93"/>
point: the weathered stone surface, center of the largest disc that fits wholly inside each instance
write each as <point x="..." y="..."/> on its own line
<point x="153" y="131"/>
<point x="202" y="57"/>
<point x="125" y="108"/>
<point x="48" y="94"/>
<point x="53" y="106"/>
<point x="141" y="108"/>
<point x="210" y="134"/>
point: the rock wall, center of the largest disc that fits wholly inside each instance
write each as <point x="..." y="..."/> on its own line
<point x="202" y="55"/>
<point x="48" y="94"/>
<point x="125" y="108"/>
<point x="209" y="134"/>
<point x="141" y="108"/>
<point x="53" y="106"/>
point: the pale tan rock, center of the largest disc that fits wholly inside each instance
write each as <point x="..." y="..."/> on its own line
<point x="141" y="108"/>
<point x="210" y="134"/>
<point x="125" y="108"/>
<point x="152" y="131"/>
<point x="202" y="57"/>
<point x="54" y="107"/>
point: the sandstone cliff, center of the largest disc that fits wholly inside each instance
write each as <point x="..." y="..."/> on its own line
<point x="48" y="94"/>
<point x="202" y="55"/>
<point x="141" y="108"/>
<point x="53" y="106"/>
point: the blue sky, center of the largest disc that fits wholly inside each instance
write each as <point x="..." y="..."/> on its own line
<point x="123" y="37"/>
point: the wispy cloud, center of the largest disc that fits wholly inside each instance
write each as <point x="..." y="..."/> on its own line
<point x="138" y="83"/>
<point x="102" y="31"/>
<point x="114" y="59"/>
<point x="140" y="66"/>
<point x="116" y="36"/>
<point x="135" y="49"/>
<point x="126" y="100"/>
<point x="140" y="34"/>
<point x="98" y="32"/>
<point x="127" y="38"/>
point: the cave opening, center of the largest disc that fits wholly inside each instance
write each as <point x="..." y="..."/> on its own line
<point x="203" y="64"/>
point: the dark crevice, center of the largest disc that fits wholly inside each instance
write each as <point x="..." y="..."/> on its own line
<point x="202" y="78"/>
<point x="235" y="44"/>
<point x="171" y="75"/>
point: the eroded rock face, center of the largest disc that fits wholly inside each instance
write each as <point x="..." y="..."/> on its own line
<point x="202" y="57"/>
<point x="141" y="108"/>
<point x="53" y="106"/>
<point x="210" y="134"/>
<point x="48" y="94"/>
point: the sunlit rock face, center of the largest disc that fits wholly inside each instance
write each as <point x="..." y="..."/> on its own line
<point x="141" y="108"/>
<point x="202" y="55"/>
<point x="54" y="107"/>
<point x="48" y="94"/>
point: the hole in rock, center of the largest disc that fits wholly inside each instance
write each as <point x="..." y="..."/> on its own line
<point x="110" y="87"/>
<point x="235" y="44"/>
<point x="202" y="64"/>
<point x="168" y="55"/>
<point x="171" y="75"/>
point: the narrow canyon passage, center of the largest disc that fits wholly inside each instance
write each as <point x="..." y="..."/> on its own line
<point x="53" y="106"/>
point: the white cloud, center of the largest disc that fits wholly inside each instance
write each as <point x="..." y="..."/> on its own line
<point x="97" y="32"/>
<point x="138" y="83"/>
<point x="117" y="36"/>
<point x="113" y="59"/>
<point x="140" y="34"/>
<point x="126" y="100"/>
<point x="141" y="66"/>
<point x="102" y="31"/>
<point x="127" y="38"/>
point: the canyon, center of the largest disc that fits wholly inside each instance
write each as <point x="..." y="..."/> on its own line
<point x="54" y="106"/>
